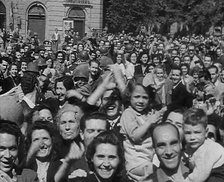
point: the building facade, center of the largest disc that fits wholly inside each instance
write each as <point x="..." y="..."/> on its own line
<point x="43" y="16"/>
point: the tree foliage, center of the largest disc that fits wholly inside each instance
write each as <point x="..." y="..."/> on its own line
<point x="198" y="15"/>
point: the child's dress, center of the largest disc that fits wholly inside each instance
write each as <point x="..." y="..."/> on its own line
<point x="138" y="154"/>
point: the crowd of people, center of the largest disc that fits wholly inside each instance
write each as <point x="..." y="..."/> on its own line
<point x="112" y="107"/>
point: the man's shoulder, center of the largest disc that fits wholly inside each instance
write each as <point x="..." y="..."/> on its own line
<point x="27" y="175"/>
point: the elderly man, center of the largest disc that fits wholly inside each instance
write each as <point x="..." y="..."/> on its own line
<point x="167" y="144"/>
<point x="10" y="146"/>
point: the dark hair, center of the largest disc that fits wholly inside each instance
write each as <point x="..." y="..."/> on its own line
<point x="43" y="125"/>
<point x="94" y="115"/>
<point x="12" y="128"/>
<point x="28" y="82"/>
<point x="213" y="66"/>
<point x="129" y="56"/>
<point x="194" y="116"/>
<point x="129" y="90"/>
<point x="67" y="82"/>
<point x="106" y="137"/>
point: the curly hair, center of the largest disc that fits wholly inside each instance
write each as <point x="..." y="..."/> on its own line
<point x="106" y="137"/>
<point x="47" y="126"/>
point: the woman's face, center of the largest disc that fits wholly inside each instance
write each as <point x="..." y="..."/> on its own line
<point x="49" y="63"/>
<point x="176" y="61"/>
<point x="60" y="91"/>
<point x="13" y="71"/>
<point x="133" y="58"/>
<point x="144" y="59"/>
<point x="43" y="139"/>
<point x="155" y="61"/>
<point x="105" y="160"/>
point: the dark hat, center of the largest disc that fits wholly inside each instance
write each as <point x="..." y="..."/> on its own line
<point x="32" y="67"/>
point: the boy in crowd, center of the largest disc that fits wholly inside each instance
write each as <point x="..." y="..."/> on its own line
<point x="206" y="157"/>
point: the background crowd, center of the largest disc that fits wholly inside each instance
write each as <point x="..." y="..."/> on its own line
<point x="111" y="107"/>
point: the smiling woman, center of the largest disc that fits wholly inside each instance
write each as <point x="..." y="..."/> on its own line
<point x="105" y="157"/>
<point x="41" y="156"/>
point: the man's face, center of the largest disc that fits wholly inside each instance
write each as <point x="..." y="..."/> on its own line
<point x="177" y="120"/>
<point x="93" y="127"/>
<point x="8" y="152"/>
<point x="207" y="61"/>
<point x="167" y="146"/>
<point x="68" y="125"/>
<point x="94" y="68"/>
<point x="214" y="74"/>
<point x="183" y="49"/>
<point x="176" y="76"/>
<point x="194" y="135"/>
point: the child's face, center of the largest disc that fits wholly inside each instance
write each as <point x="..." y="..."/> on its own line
<point x="139" y="99"/>
<point x="194" y="135"/>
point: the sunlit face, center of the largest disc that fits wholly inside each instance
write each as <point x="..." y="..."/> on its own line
<point x="177" y="120"/>
<point x="105" y="160"/>
<point x="139" y="99"/>
<point x="13" y="71"/>
<point x="214" y="74"/>
<point x="93" y="127"/>
<point x="194" y="135"/>
<point x="8" y="152"/>
<point x="167" y="146"/>
<point x="159" y="74"/>
<point x="183" y="49"/>
<point x="69" y="125"/>
<point x="94" y="68"/>
<point x="60" y="91"/>
<point x="42" y="138"/>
